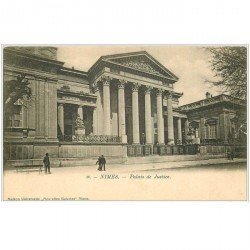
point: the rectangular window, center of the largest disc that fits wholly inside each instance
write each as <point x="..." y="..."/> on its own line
<point x="207" y="132"/>
<point x="16" y="123"/>
<point x="212" y="131"/>
<point x="15" y="120"/>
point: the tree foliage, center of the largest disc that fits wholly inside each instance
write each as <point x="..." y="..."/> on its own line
<point x="15" y="90"/>
<point x="230" y="67"/>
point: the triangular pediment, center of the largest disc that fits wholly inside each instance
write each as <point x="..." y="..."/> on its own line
<point x="141" y="61"/>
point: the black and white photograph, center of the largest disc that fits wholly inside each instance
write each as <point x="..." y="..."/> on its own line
<point x="125" y="122"/>
<point x="124" y="125"/>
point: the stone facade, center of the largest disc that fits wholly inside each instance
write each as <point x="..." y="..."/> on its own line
<point x="124" y="99"/>
<point x="214" y="120"/>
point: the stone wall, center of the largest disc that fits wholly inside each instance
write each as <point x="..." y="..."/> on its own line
<point x="17" y="154"/>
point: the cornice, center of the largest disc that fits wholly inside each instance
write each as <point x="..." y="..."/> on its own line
<point x="77" y="94"/>
<point x="31" y="72"/>
<point x="33" y="57"/>
<point x="216" y="100"/>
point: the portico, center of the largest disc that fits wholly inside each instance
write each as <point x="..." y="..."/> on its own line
<point x="135" y="99"/>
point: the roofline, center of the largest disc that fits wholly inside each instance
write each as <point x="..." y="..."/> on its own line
<point x="212" y="103"/>
<point x="35" y="57"/>
<point x="74" y="71"/>
<point x="143" y="52"/>
<point x="130" y="68"/>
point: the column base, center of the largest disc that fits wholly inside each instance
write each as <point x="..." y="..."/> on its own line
<point x="124" y="139"/>
<point x="171" y="142"/>
<point x="148" y="149"/>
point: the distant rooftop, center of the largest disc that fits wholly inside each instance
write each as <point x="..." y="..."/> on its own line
<point x="209" y="101"/>
<point x="42" y="51"/>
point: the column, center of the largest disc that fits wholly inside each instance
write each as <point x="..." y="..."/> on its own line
<point x="135" y="113"/>
<point x="186" y="129"/>
<point x="99" y="110"/>
<point x="95" y="129"/>
<point x="160" y="121"/>
<point x="106" y="105"/>
<point x="60" y="117"/>
<point x="223" y="123"/>
<point x="52" y="110"/>
<point x="121" y="111"/>
<point x="170" y="119"/>
<point x="179" y="131"/>
<point x="203" y="128"/>
<point x="148" y="120"/>
<point x="46" y="109"/>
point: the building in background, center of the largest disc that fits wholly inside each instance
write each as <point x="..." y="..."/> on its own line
<point x="125" y="105"/>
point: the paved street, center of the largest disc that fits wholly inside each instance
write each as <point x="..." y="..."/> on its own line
<point x="214" y="179"/>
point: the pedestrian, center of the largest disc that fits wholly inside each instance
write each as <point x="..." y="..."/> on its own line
<point x="46" y="162"/>
<point x="103" y="160"/>
<point x="99" y="162"/>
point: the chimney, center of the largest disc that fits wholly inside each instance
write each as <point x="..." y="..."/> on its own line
<point x="208" y="95"/>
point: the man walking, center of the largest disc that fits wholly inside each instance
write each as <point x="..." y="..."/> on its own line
<point x="46" y="163"/>
<point x="103" y="161"/>
<point x="99" y="162"/>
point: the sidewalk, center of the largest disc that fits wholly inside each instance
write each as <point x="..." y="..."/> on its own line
<point x="153" y="163"/>
<point x="172" y="165"/>
<point x="130" y="168"/>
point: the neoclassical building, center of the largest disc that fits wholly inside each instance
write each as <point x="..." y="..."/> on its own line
<point x="124" y="105"/>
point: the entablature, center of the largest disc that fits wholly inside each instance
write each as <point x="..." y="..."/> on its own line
<point x="77" y="98"/>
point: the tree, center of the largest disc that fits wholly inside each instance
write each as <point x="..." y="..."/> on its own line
<point x="14" y="90"/>
<point x="230" y="67"/>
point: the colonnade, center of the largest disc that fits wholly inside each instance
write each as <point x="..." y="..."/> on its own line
<point x="104" y="99"/>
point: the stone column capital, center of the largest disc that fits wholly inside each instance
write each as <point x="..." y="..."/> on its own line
<point x="170" y="95"/>
<point x="135" y="87"/>
<point x="106" y="80"/>
<point x="159" y="92"/>
<point x="121" y="84"/>
<point x="148" y="89"/>
<point x="96" y="88"/>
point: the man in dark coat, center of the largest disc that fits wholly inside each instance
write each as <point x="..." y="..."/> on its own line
<point x="99" y="162"/>
<point x="46" y="163"/>
<point x="103" y="161"/>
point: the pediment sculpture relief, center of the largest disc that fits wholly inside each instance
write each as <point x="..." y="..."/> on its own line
<point x="140" y="64"/>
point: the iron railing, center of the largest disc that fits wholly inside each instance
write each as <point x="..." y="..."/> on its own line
<point x="92" y="138"/>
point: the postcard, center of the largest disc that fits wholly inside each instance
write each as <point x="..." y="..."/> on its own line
<point x="145" y="122"/>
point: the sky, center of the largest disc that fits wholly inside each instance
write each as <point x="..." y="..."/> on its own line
<point x="189" y="63"/>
